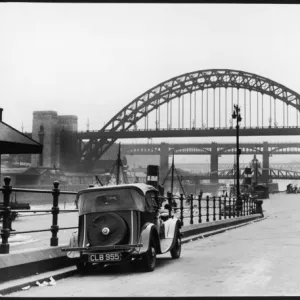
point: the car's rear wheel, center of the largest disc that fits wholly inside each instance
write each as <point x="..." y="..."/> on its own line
<point x="83" y="267"/>
<point x="176" y="250"/>
<point x="149" y="258"/>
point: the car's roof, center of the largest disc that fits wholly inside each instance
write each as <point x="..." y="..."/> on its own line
<point x="144" y="188"/>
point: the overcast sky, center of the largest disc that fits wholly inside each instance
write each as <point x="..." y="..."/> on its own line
<point x="90" y="60"/>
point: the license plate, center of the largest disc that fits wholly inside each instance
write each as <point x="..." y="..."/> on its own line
<point x="104" y="257"/>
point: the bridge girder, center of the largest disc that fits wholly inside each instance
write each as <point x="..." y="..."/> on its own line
<point x="231" y="174"/>
<point x="205" y="149"/>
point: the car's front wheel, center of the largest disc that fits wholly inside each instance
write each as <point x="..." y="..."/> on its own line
<point x="149" y="258"/>
<point x="176" y="250"/>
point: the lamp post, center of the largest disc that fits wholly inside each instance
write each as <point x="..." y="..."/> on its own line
<point x="236" y="115"/>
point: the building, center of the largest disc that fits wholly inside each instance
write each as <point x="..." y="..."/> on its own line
<point x="58" y="134"/>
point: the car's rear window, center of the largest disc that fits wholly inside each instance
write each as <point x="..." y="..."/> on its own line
<point x="110" y="200"/>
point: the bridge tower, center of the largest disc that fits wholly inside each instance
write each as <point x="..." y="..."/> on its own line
<point x="44" y="130"/>
<point x="266" y="163"/>
<point x="58" y="134"/>
<point x="68" y="145"/>
<point x="214" y="161"/>
<point x="164" y="160"/>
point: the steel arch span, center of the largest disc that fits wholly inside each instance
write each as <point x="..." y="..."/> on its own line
<point x="178" y="86"/>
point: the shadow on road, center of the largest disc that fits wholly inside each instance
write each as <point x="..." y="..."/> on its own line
<point x="127" y="268"/>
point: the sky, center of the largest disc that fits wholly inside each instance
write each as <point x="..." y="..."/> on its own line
<point x="91" y="60"/>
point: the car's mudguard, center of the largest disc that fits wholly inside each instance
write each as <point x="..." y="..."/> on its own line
<point x="73" y="244"/>
<point x="146" y="232"/>
<point x="171" y="227"/>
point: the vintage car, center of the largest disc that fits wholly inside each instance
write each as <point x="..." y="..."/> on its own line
<point x="122" y="222"/>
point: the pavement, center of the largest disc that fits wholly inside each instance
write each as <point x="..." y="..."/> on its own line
<point x="261" y="259"/>
<point x="41" y="239"/>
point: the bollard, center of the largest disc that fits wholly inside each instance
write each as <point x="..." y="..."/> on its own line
<point x="214" y="208"/>
<point x="55" y="212"/>
<point x="199" y="207"/>
<point x="207" y="208"/>
<point x="229" y="204"/>
<point x="219" y="208"/>
<point x="259" y="209"/>
<point x="192" y="209"/>
<point x="244" y="206"/>
<point x="5" y="231"/>
<point x="181" y="209"/>
<point x="169" y="196"/>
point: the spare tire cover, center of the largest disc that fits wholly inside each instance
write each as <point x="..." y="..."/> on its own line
<point x="107" y="229"/>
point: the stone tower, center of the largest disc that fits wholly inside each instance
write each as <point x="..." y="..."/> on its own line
<point x="68" y="145"/>
<point x="58" y="134"/>
<point x="44" y="130"/>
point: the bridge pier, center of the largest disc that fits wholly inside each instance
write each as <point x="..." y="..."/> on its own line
<point x="265" y="162"/>
<point x="214" y="160"/>
<point x="164" y="161"/>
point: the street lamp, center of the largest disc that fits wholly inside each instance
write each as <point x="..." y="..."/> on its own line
<point x="236" y="115"/>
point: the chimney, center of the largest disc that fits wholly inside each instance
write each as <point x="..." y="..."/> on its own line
<point x="1" y="110"/>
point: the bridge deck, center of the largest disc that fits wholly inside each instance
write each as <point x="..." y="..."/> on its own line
<point x="258" y="259"/>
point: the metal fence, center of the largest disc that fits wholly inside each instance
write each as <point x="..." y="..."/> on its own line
<point x="6" y="212"/>
<point x="194" y="208"/>
<point x="198" y="210"/>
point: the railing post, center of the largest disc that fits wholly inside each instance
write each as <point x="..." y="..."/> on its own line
<point x="214" y="208"/>
<point x="225" y="208"/>
<point x="200" y="208"/>
<point x="251" y="206"/>
<point x="5" y="231"/>
<point x="234" y="207"/>
<point x="55" y="212"/>
<point x="248" y="199"/>
<point x="192" y="209"/>
<point x="219" y="208"/>
<point x="244" y="205"/>
<point x="169" y="195"/>
<point x="181" y="209"/>
<point x="229" y="204"/>
<point x="207" y="208"/>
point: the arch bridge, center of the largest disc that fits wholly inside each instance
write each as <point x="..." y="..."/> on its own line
<point x="198" y="104"/>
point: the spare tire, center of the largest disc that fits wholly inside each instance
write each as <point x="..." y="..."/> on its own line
<point x="106" y="230"/>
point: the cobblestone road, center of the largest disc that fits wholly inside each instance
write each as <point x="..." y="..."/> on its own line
<point x="259" y="259"/>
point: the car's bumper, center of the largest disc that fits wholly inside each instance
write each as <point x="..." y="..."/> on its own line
<point x="105" y="254"/>
<point x="103" y="248"/>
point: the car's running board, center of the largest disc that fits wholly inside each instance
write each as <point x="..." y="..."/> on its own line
<point x="102" y="248"/>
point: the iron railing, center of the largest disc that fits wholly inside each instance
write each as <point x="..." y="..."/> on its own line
<point x="208" y="209"/>
<point x="193" y="207"/>
<point x="6" y="213"/>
